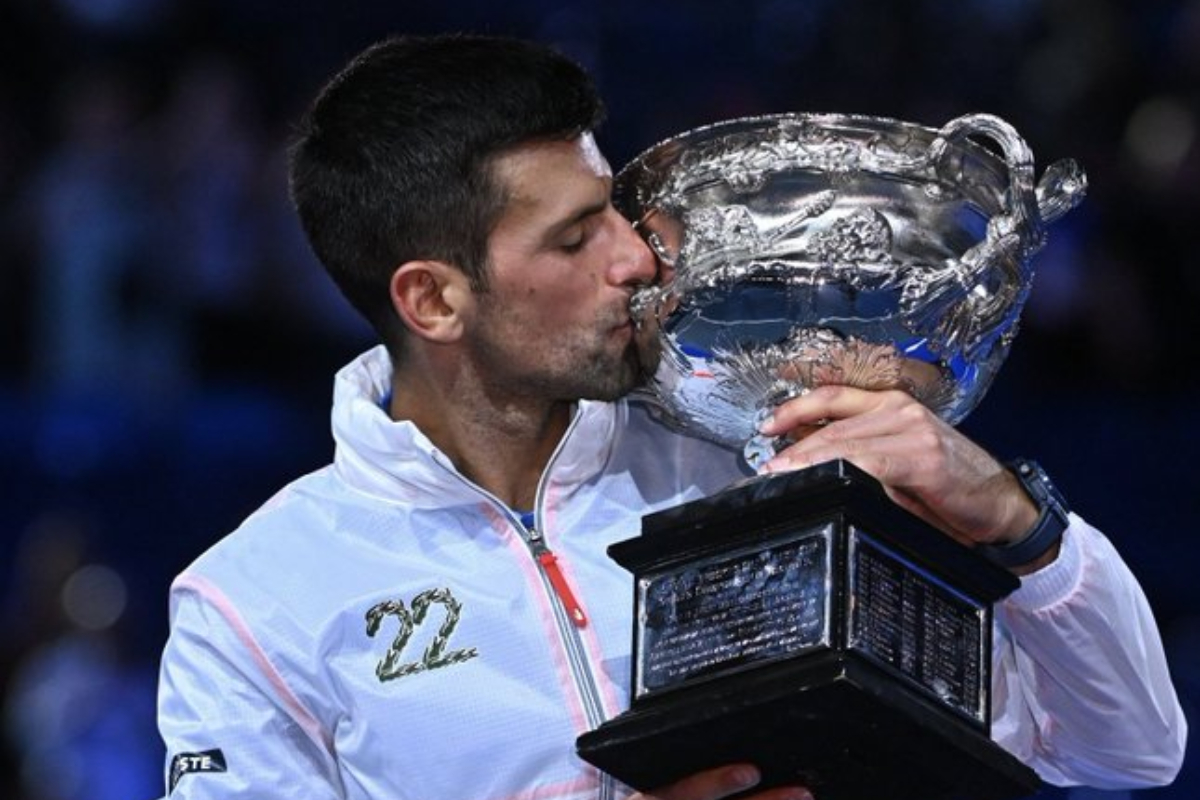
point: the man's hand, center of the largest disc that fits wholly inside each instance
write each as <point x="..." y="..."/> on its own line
<point x="925" y="465"/>
<point x="723" y="782"/>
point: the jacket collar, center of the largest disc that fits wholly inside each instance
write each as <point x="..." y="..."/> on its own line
<point x="394" y="461"/>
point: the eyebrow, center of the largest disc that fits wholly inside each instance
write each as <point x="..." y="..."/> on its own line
<point x="582" y="213"/>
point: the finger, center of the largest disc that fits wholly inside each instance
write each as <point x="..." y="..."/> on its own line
<point x="905" y="450"/>
<point x="783" y="793"/>
<point x="708" y="785"/>
<point x="723" y="782"/>
<point x="858" y="438"/>
<point x="897" y="426"/>
<point x="871" y="458"/>
<point x="908" y="423"/>
<point x="823" y="404"/>
<point x="801" y="432"/>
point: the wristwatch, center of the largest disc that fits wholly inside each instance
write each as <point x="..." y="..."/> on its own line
<point x="1051" y="522"/>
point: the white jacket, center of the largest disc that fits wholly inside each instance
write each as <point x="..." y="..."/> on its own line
<point x="381" y="628"/>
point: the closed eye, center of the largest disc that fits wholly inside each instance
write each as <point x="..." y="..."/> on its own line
<point x="579" y="234"/>
<point x="575" y="246"/>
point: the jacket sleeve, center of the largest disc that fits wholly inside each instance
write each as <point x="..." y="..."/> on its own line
<point x="1082" y="692"/>
<point x="232" y="728"/>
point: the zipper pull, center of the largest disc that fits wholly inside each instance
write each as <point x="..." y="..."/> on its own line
<point x="549" y="563"/>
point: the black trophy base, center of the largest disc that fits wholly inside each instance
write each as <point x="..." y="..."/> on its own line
<point x="871" y="738"/>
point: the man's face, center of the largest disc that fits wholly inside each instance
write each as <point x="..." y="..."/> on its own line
<point x="554" y="321"/>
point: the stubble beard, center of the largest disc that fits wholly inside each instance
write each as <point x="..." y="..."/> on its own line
<point x="612" y="381"/>
<point x="609" y="378"/>
<point x="595" y="373"/>
<point x="585" y="367"/>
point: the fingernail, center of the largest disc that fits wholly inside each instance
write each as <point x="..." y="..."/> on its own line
<point x="745" y="776"/>
<point x="797" y="793"/>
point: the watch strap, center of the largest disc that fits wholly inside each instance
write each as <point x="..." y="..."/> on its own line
<point x="1052" y="518"/>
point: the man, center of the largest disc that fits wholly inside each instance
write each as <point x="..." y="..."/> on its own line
<point x="433" y="615"/>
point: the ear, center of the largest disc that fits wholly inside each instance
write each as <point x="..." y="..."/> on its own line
<point x="431" y="298"/>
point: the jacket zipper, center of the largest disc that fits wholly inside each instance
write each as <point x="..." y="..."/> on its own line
<point x="568" y="613"/>
<point x="569" y="619"/>
<point x="558" y="581"/>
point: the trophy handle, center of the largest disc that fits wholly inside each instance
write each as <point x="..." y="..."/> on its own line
<point x="1020" y="229"/>
<point x="1021" y="218"/>
<point x="996" y="272"/>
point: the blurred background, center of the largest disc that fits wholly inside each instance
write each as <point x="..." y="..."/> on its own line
<point x="168" y="341"/>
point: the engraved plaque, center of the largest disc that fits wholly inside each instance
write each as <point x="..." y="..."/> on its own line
<point x="906" y="618"/>
<point x="741" y="608"/>
<point x="807" y="624"/>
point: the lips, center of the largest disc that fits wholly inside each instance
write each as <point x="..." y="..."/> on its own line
<point x="624" y="330"/>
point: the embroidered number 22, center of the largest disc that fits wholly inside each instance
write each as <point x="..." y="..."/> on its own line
<point x="390" y="666"/>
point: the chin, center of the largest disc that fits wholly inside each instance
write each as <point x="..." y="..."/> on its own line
<point x="609" y="393"/>
<point x="611" y="386"/>
<point x="610" y="376"/>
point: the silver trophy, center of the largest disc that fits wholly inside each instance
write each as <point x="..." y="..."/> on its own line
<point x="800" y="250"/>
<point x="803" y="621"/>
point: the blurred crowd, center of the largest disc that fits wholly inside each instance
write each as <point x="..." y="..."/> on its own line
<point x="168" y="340"/>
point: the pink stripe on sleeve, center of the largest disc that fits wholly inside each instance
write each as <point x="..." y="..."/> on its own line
<point x="224" y="606"/>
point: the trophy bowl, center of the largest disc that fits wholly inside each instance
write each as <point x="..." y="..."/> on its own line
<point x="798" y="250"/>
<point x="802" y="620"/>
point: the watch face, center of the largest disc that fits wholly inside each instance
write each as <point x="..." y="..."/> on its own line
<point x="1039" y="486"/>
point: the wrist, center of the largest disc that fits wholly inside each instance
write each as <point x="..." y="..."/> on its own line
<point x="1038" y="545"/>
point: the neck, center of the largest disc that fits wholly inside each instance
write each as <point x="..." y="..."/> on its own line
<point x="501" y="444"/>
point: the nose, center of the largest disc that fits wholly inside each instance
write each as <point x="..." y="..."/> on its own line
<point x="634" y="263"/>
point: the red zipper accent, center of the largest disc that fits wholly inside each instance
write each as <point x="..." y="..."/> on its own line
<point x="549" y="563"/>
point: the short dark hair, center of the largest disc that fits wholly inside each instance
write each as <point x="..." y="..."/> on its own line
<point x="393" y="160"/>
